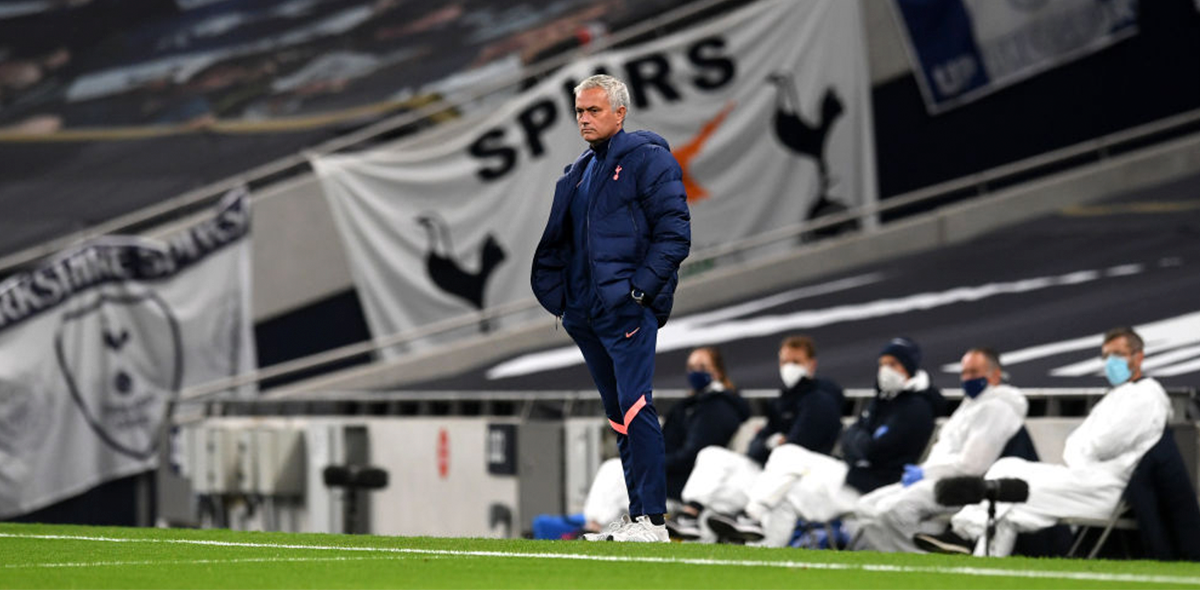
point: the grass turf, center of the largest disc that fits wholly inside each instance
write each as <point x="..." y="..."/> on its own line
<point x="51" y="556"/>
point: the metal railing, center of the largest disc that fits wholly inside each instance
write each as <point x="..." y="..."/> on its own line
<point x="1101" y="148"/>
<point x="567" y="403"/>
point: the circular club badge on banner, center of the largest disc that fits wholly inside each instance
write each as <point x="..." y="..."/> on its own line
<point x="122" y="360"/>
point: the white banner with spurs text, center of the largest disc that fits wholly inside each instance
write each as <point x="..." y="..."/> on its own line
<point x="97" y="343"/>
<point x="767" y="109"/>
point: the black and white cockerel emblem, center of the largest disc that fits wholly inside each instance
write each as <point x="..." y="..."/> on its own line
<point x="806" y="138"/>
<point x="449" y="273"/>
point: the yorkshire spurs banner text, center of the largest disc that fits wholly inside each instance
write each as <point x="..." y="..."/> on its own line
<point x="96" y="345"/>
<point x="965" y="49"/>
<point x="767" y="110"/>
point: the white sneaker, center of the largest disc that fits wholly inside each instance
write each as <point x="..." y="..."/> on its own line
<point x="643" y="531"/>
<point x="613" y="528"/>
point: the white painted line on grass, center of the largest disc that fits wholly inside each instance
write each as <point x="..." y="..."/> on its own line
<point x="193" y="561"/>
<point x="816" y="565"/>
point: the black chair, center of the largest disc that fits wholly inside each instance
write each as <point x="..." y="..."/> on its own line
<point x="1163" y="501"/>
<point x="1020" y="446"/>
<point x="1160" y="503"/>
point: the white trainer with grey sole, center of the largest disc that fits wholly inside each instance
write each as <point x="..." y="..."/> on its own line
<point x="613" y="528"/>
<point x="643" y="531"/>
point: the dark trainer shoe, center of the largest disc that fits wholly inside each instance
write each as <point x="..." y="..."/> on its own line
<point x="684" y="527"/>
<point x="737" y="528"/>
<point x="947" y="542"/>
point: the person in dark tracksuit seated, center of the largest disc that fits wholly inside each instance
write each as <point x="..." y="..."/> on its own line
<point x="807" y="413"/>
<point x="891" y="432"/>
<point x="991" y="414"/>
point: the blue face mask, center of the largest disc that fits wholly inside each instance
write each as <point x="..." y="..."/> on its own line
<point x="1116" y="368"/>
<point x="974" y="387"/>
<point x="699" y="379"/>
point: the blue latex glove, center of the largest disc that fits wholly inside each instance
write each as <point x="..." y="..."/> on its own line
<point x="912" y="474"/>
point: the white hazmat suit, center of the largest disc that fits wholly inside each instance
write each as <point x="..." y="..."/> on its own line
<point x="968" y="443"/>
<point x="814" y="485"/>
<point x="1100" y="456"/>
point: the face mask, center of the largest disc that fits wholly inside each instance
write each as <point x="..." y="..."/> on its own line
<point x="792" y="373"/>
<point x="1116" y="368"/>
<point x="974" y="387"/>
<point x="699" y="380"/>
<point x="891" y="381"/>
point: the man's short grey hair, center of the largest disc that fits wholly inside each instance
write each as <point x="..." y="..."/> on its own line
<point x="990" y="356"/>
<point x="618" y="94"/>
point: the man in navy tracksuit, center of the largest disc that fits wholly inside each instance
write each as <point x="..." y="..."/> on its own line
<point x="607" y="264"/>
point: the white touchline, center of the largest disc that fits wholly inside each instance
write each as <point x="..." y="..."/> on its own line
<point x="191" y="561"/>
<point x="870" y="567"/>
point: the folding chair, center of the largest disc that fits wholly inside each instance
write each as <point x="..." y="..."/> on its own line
<point x="1117" y="520"/>
<point x="1163" y="503"/>
<point x="1163" y="500"/>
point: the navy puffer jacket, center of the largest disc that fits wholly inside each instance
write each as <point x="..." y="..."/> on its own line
<point x="890" y="433"/>
<point x="809" y="414"/>
<point x="638" y="227"/>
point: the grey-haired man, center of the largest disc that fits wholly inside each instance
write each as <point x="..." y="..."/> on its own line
<point x="607" y="264"/>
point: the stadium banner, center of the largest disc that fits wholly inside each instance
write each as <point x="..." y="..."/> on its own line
<point x="965" y="49"/>
<point x="96" y="344"/>
<point x="767" y="109"/>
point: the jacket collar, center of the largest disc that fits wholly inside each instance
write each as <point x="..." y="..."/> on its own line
<point x="918" y="382"/>
<point x="803" y="386"/>
<point x="600" y="149"/>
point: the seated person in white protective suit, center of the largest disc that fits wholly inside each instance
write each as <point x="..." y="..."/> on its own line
<point x="710" y="415"/>
<point x="891" y="432"/>
<point x="967" y="444"/>
<point x="1100" y="456"/>
<point x="807" y="413"/>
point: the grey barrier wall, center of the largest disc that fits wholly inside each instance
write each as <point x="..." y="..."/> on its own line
<point x="450" y="475"/>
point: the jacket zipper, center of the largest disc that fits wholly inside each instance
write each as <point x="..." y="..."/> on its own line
<point x="587" y="230"/>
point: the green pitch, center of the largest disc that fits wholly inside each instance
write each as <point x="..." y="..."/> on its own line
<point x="41" y="556"/>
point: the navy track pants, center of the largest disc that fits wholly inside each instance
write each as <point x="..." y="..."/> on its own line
<point x="619" y="351"/>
